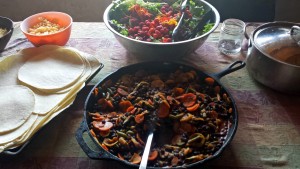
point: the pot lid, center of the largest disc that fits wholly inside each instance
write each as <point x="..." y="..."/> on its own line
<point x="277" y="34"/>
<point x="280" y="40"/>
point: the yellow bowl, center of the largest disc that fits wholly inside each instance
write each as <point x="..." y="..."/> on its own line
<point x="60" y="37"/>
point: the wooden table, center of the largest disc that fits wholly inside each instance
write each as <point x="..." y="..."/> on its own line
<point x="268" y="134"/>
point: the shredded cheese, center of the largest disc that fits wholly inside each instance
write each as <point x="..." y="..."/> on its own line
<point x="45" y="27"/>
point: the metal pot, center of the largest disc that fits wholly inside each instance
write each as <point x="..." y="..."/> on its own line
<point x="273" y="57"/>
<point x="102" y="154"/>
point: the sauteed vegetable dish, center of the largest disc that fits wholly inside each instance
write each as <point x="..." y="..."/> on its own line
<point x="190" y="116"/>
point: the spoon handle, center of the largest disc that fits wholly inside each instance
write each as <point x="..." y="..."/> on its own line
<point x="184" y="5"/>
<point x="176" y="29"/>
<point x="144" y="161"/>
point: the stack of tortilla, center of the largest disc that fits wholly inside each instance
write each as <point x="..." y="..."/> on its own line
<point x="36" y="84"/>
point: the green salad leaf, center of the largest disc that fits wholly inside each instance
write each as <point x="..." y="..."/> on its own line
<point x="208" y="27"/>
<point x="121" y="7"/>
<point x="153" y="8"/>
<point x="119" y="27"/>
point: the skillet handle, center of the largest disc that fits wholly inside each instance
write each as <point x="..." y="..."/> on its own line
<point x="101" y="154"/>
<point x="233" y="67"/>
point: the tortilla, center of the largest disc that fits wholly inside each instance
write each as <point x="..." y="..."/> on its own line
<point x="45" y="101"/>
<point x="86" y="73"/>
<point x="13" y="135"/>
<point x="54" y="70"/>
<point x="43" y="120"/>
<point x="16" y="105"/>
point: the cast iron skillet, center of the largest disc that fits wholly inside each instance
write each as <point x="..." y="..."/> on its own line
<point x="157" y="67"/>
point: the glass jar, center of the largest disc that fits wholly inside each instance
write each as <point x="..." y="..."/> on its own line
<point x="231" y="36"/>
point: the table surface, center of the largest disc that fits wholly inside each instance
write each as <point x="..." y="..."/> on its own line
<point x="268" y="134"/>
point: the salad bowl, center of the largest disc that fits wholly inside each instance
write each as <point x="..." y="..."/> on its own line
<point x="136" y="23"/>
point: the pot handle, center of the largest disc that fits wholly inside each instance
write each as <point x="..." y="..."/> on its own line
<point x="247" y="34"/>
<point x="255" y="25"/>
<point x="233" y="67"/>
<point x="101" y="154"/>
<point x="295" y="33"/>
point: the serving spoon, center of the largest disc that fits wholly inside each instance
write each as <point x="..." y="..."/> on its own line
<point x="143" y="164"/>
<point x="151" y="128"/>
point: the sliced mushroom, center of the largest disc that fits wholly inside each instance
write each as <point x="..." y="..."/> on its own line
<point x="196" y="140"/>
<point x="110" y="142"/>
